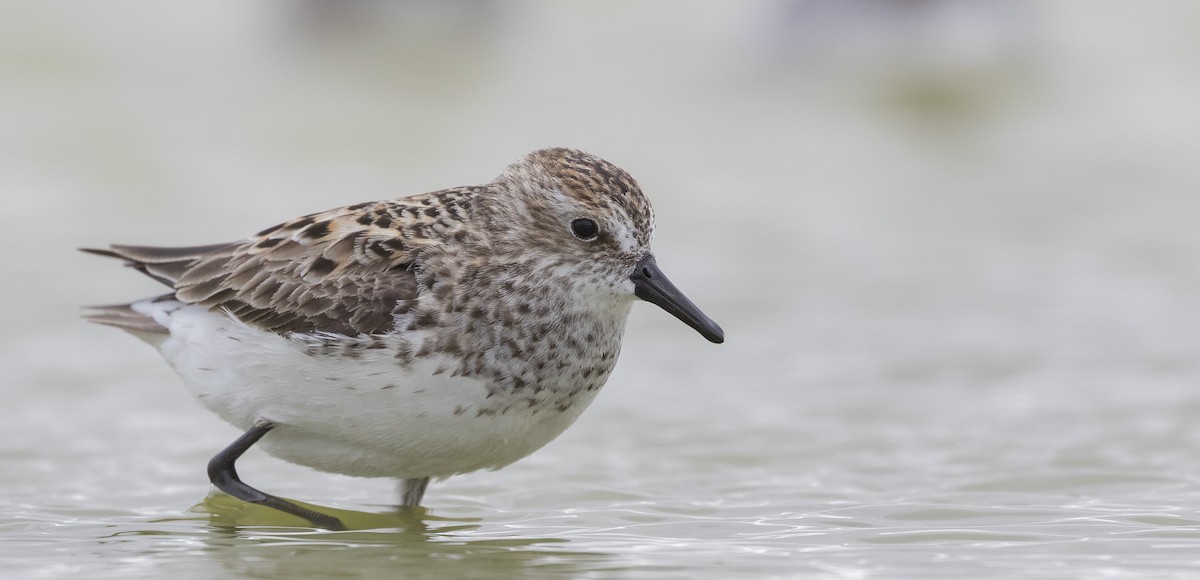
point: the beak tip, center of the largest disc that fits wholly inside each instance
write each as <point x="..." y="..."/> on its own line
<point x="651" y="285"/>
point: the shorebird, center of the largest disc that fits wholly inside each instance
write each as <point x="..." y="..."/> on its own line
<point x="414" y="338"/>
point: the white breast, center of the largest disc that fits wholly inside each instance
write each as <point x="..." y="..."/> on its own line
<point x="364" y="416"/>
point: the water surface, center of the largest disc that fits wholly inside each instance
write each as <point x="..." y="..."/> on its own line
<point x="958" y="272"/>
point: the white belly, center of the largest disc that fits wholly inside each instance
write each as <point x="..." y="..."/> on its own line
<point x="365" y="416"/>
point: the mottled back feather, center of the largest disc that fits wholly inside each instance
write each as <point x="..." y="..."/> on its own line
<point x="350" y="270"/>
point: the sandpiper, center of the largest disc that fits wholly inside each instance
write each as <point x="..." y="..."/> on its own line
<point x="414" y="338"/>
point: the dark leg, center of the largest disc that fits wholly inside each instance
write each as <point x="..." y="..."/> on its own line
<point x="412" y="490"/>
<point x="222" y="473"/>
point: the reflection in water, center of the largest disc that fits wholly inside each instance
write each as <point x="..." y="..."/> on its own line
<point x="227" y="511"/>
<point x="248" y="540"/>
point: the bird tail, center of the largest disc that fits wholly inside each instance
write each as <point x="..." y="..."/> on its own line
<point x="125" y="317"/>
<point x="163" y="264"/>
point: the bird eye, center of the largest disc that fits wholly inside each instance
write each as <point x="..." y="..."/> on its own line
<point x="585" y="229"/>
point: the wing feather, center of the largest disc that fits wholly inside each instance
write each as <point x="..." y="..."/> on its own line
<point x="331" y="272"/>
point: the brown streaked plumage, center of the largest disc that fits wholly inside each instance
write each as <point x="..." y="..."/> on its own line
<point x="413" y="338"/>
<point x="348" y="271"/>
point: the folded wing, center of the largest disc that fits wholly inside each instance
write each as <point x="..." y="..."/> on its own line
<point x="330" y="272"/>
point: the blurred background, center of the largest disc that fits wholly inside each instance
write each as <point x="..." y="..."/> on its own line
<point x="948" y="240"/>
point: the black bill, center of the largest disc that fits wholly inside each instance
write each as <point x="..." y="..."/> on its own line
<point x="651" y="285"/>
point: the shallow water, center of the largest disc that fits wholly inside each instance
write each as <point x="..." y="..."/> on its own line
<point x="958" y="276"/>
